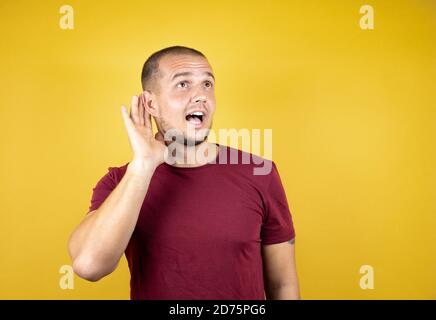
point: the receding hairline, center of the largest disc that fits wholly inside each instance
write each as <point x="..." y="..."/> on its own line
<point x="151" y="69"/>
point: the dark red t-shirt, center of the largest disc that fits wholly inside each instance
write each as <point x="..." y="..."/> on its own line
<point x="200" y="230"/>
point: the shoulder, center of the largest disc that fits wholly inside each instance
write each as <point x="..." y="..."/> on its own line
<point x="252" y="166"/>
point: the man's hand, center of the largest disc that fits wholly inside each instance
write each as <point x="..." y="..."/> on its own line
<point x="148" y="149"/>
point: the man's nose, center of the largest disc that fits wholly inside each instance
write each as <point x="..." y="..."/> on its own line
<point x="200" y="98"/>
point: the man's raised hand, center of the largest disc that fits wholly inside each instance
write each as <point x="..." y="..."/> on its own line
<point x="148" y="149"/>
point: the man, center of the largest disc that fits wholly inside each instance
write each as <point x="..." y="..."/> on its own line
<point x="196" y="230"/>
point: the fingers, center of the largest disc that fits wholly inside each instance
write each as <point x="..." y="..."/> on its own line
<point x="159" y="137"/>
<point x="138" y="116"/>
<point x="130" y="127"/>
<point x="134" y="110"/>
<point x="141" y="110"/>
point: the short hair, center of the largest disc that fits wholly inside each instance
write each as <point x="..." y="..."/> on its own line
<point x="151" y="65"/>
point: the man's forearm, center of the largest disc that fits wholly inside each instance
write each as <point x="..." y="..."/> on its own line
<point x="100" y="240"/>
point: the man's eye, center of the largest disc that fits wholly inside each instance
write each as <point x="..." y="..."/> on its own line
<point x="208" y="84"/>
<point x="182" y="84"/>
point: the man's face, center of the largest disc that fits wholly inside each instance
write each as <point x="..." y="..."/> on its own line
<point x="185" y="100"/>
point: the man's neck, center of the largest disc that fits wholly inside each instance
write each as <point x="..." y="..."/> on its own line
<point x="198" y="155"/>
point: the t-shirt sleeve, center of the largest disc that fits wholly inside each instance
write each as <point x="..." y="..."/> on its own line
<point x="102" y="189"/>
<point x="277" y="225"/>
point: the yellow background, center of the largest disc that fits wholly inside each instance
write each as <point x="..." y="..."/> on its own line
<point x="352" y="113"/>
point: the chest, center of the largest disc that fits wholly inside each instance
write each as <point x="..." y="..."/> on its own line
<point x="187" y="211"/>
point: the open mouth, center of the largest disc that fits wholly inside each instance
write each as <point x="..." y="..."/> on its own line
<point x="196" y="118"/>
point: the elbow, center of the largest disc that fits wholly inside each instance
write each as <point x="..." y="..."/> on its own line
<point x="283" y="292"/>
<point x="89" y="269"/>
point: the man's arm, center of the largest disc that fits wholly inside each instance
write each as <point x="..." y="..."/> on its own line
<point x="280" y="273"/>
<point x="98" y="243"/>
<point x="100" y="240"/>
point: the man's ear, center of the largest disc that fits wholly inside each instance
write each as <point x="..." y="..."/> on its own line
<point x="149" y="102"/>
